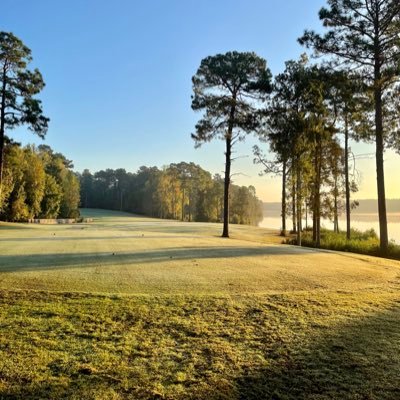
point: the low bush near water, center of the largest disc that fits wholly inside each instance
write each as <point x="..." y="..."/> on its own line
<point x="366" y="242"/>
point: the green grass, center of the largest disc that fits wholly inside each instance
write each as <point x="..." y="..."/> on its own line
<point x="179" y="313"/>
<point x="361" y="242"/>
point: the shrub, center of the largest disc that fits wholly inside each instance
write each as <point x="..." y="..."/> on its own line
<point x="366" y="242"/>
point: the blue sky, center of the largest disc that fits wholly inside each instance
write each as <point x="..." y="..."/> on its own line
<point x="118" y="76"/>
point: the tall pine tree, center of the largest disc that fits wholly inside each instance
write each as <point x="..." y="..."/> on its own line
<point x="365" y="35"/>
<point x="229" y="88"/>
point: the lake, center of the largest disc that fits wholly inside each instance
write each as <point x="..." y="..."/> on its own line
<point x="361" y="222"/>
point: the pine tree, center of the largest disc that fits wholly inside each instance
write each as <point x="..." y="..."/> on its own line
<point x="365" y="35"/>
<point x="227" y="87"/>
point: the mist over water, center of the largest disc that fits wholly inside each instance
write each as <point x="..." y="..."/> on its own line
<point x="361" y="222"/>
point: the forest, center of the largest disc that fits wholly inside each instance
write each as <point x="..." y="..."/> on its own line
<point x="182" y="191"/>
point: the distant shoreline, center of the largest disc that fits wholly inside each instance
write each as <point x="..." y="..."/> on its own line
<point x="360" y="217"/>
<point x="367" y="210"/>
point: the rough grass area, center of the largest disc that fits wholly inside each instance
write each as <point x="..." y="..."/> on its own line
<point x="361" y="242"/>
<point x="278" y="346"/>
<point x="134" y="308"/>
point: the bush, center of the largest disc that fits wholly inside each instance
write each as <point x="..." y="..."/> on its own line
<point x="74" y="214"/>
<point x="366" y="242"/>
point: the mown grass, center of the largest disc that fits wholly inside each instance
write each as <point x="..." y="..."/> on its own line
<point x="366" y="242"/>
<point x="134" y="308"/>
<point x="278" y="346"/>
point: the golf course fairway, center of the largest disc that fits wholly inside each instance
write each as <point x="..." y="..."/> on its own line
<point x="129" y="307"/>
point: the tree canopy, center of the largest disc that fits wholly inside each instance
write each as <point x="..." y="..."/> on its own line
<point x="37" y="183"/>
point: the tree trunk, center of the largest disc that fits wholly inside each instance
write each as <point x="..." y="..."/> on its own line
<point x="346" y="172"/>
<point x="299" y="201"/>
<point x="183" y="204"/>
<point x="314" y="227"/>
<point x="306" y="212"/>
<point x="294" y="217"/>
<point x="315" y="195"/>
<point x="317" y="192"/>
<point x="190" y="206"/>
<point x="2" y="129"/>
<point x="319" y="201"/>
<point x="228" y="162"/>
<point x="283" y="233"/>
<point x="335" y="209"/>
<point x="380" y="174"/>
<point x="225" y="232"/>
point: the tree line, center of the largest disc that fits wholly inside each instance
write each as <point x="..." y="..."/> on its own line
<point x="37" y="183"/>
<point x="182" y="191"/>
<point x="308" y="113"/>
<point x="309" y="119"/>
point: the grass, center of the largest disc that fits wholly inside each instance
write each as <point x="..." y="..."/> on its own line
<point x="361" y="242"/>
<point x="104" y="312"/>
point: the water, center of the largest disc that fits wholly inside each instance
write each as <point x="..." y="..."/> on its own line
<point x="361" y="222"/>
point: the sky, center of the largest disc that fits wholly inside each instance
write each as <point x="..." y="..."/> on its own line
<point x="118" y="78"/>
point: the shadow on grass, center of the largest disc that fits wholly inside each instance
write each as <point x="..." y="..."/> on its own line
<point x="35" y="262"/>
<point x="164" y="227"/>
<point x="14" y="227"/>
<point x="195" y="230"/>
<point x="360" y="360"/>
<point x="357" y="360"/>
<point x="83" y="238"/>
